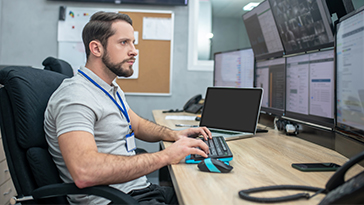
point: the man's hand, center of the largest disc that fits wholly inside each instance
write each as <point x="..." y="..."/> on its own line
<point x="195" y="132"/>
<point x="183" y="147"/>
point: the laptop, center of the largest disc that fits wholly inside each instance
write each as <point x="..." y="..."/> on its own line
<point x="232" y="112"/>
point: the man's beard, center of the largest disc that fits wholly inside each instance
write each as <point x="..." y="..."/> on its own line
<point x="117" y="68"/>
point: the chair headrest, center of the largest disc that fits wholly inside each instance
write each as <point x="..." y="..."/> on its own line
<point x="29" y="90"/>
<point x="58" y="65"/>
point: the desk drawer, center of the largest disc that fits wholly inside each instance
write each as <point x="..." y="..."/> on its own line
<point x="4" y="172"/>
<point x="7" y="191"/>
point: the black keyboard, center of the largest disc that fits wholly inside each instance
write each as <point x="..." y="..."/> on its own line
<point x="218" y="149"/>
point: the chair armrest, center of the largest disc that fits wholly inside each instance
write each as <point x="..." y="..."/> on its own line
<point x="63" y="189"/>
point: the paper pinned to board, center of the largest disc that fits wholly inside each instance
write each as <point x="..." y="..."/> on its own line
<point x="157" y="28"/>
<point x="136" y="37"/>
<point x="179" y="117"/>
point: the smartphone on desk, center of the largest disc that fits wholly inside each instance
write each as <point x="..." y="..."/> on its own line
<point x="315" y="167"/>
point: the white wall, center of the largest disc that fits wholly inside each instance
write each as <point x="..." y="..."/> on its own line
<point x="229" y="34"/>
<point x="358" y="3"/>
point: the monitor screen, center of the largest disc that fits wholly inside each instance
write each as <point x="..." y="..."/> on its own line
<point x="350" y="73"/>
<point x="234" y="68"/>
<point x="262" y="32"/>
<point x="310" y="88"/>
<point x="303" y="25"/>
<point x="270" y="75"/>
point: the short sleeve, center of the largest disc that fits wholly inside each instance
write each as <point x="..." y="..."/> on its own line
<point x="75" y="117"/>
<point x="74" y="110"/>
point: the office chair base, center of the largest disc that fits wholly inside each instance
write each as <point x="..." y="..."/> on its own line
<point x="15" y="200"/>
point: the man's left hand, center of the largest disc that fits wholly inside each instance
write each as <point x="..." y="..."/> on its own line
<point x="195" y="132"/>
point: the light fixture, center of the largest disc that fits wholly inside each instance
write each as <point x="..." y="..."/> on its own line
<point x="210" y="35"/>
<point x="250" y="6"/>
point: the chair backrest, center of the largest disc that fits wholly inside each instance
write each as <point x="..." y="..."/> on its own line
<point x="58" y="65"/>
<point x="24" y="98"/>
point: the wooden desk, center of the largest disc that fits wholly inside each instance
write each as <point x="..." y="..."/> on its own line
<point x="262" y="160"/>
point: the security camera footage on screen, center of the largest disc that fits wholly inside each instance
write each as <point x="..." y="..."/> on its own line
<point x="303" y="25"/>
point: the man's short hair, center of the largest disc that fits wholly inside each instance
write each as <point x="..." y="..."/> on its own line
<point x="99" y="28"/>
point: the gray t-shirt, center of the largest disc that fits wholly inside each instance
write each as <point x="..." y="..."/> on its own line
<point x="78" y="105"/>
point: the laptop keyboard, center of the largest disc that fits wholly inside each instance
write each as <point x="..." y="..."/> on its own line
<point x="218" y="149"/>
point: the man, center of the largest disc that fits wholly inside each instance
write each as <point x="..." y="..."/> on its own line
<point x="90" y="128"/>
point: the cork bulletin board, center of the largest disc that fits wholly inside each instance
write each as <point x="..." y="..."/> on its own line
<point x="154" y="60"/>
<point x="154" y="57"/>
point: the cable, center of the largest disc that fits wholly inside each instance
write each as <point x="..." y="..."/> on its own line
<point x="244" y="194"/>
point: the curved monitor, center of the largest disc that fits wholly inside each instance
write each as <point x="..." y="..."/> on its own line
<point x="310" y="93"/>
<point x="262" y="32"/>
<point x="234" y="68"/>
<point x="350" y="73"/>
<point x="270" y="75"/>
<point x="303" y="25"/>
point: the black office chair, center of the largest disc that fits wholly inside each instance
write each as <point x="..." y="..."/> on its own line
<point x="58" y="65"/>
<point x="24" y="98"/>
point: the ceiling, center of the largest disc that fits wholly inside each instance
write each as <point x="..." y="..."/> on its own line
<point x="229" y="8"/>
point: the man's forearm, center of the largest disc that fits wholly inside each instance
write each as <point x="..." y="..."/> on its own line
<point x="111" y="169"/>
<point x="151" y="132"/>
<point x="88" y="167"/>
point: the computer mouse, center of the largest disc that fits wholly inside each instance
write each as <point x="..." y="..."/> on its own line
<point x="214" y="165"/>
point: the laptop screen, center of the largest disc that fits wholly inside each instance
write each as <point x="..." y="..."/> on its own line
<point x="235" y="109"/>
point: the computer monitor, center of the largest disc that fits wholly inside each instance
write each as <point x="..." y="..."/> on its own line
<point x="310" y="88"/>
<point x="303" y="25"/>
<point x="234" y="68"/>
<point x="262" y="32"/>
<point x="350" y="73"/>
<point x="271" y="76"/>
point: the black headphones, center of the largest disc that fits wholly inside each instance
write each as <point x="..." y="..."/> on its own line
<point x="281" y="124"/>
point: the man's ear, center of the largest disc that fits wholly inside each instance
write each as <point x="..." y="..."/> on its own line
<point x="96" y="48"/>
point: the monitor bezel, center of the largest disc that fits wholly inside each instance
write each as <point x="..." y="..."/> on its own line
<point x="318" y="120"/>
<point x="273" y="111"/>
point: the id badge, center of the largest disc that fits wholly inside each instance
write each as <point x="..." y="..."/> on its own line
<point x="130" y="142"/>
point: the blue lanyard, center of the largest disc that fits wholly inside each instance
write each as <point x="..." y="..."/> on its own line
<point x="125" y="113"/>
